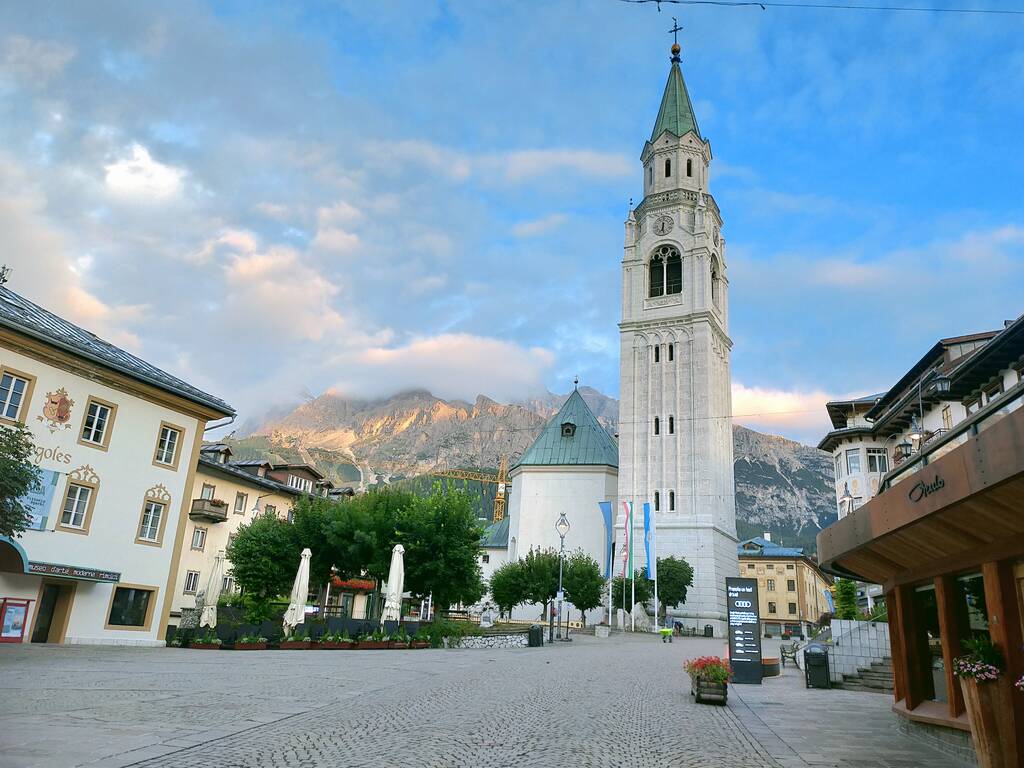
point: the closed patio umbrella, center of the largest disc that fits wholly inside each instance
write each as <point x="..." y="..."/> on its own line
<point x="208" y="618"/>
<point x="296" y="612"/>
<point x="396" y="585"/>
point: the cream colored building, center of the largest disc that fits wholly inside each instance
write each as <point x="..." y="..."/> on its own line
<point x="224" y="496"/>
<point x="791" y="588"/>
<point x="117" y="441"/>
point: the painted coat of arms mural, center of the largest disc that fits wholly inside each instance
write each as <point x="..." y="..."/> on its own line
<point x="57" y="410"/>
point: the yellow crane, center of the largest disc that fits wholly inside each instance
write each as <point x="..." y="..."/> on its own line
<point x="501" y="480"/>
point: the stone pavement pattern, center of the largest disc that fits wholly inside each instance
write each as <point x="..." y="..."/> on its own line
<point x="618" y="702"/>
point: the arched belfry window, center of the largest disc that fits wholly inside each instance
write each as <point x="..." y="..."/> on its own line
<point x="657" y="426"/>
<point x="715" y="282"/>
<point x="668" y="167"/>
<point x="689" y="167"/>
<point x="671" y="352"/>
<point x="671" y="501"/>
<point x="650" y="175"/>
<point x="671" y="425"/>
<point x="665" y="272"/>
<point x="657" y="353"/>
<point x="657" y="501"/>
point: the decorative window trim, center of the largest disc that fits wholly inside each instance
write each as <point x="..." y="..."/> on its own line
<point x="105" y="443"/>
<point x="160" y="495"/>
<point x="245" y="503"/>
<point x="192" y="542"/>
<point x="84" y="476"/>
<point x="26" y="398"/>
<point x="150" y="607"/>
<point x="195" y="587"/>
<point x="173" y="466"/>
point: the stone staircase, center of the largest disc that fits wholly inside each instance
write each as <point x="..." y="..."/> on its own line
<point x="876" y="679"/>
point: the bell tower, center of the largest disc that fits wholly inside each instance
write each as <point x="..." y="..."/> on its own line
<point x="675" y="425"/>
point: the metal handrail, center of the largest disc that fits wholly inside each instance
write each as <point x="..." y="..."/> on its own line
<point x="883" y="619"/>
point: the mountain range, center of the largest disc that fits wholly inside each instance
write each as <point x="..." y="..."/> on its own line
<point x="782" y="487"/>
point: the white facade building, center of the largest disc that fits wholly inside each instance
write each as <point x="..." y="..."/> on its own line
<point x="116" y="443"/>
<point x="675" y="427"/>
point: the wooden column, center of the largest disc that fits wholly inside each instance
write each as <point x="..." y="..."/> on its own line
<point x="907" y="652"/>
<point x="896" y="647"/>
<point x="949" y="630"/>
<point x="1004" y="627"/>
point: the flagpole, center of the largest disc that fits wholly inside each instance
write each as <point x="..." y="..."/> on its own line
<point x="632" y="571"/>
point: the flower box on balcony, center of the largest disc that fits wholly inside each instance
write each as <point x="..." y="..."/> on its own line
<point x="210" y="510"/>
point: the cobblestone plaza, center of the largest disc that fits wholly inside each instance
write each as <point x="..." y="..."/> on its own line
<point x="618" y="702"/>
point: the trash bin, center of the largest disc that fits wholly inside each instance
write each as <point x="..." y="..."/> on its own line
<point x="709" y="631"/>
<point x="536" y="637"/>
<point x="816" y="670"/>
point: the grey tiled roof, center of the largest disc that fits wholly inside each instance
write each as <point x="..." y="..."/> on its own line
<point x="20" y="314"/>
<point x="232" y="471"/>
<point x="590" y="443"/>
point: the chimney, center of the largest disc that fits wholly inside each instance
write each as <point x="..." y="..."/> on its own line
<point x="767" y="535"/>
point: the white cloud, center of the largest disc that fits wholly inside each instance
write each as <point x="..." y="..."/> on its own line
<point x="35" y="62"/>
<point x="336" y="240"/>
<point x="538" y="226"/>
<point x="795" y="413"/>
<point x="340" y="212"/>
<point x="141" y="179"/>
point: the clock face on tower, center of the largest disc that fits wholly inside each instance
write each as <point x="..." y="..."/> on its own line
<point x="663" y="225"/>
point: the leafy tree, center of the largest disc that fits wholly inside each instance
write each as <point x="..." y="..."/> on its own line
<point x="360" y="533"/>
<point x="310" y="518"/>
<point x="674" y="577"/>
<point x="264" y="556"/>
<point x="583" y="581"/>
<point x="17" y="478"/>
<point x="540" y="577"/>
<point x="441" y="536"/>
<point x="845" y="591"/>
<point x="644" y="590"/>
<point x="507" y="586"/>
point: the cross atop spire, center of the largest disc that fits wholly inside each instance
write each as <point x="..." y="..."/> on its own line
<point x="676" y="29"/>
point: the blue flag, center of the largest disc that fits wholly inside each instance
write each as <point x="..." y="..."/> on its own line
<point x="649" y="543"/>
<point x="606" y="510"/>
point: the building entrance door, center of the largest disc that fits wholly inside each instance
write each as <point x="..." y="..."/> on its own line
<point x="52" y="613"/>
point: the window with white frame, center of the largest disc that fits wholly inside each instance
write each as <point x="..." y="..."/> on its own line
<point x="76" y="504"/>
<point x="300" y="483"/>
<point x="877" y="460"/>
<point x="152" y="515"/>
<point x="191" y="582"/>
<point x="973" y="406"/>
<point x="12" y="395"/>
<point x="208" y="491"/>
<point x="853" y="461"/>
<point x="97" y="421"/>
<point x="167" y="445"/>
<point x="241" y="501"/>
<point x="993" y="391"/>
<point x="199" y="538"/>
<point x="227" y="585"/>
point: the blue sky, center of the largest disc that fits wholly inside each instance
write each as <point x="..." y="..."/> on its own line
<point x="274" y="200"/>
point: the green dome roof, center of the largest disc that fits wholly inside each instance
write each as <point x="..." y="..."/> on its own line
<point x="573" y="437"/>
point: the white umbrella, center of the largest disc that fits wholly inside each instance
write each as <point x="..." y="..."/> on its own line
<point x="396" y="585"/>
<point x="296" y="612"/>
<point x="208" y="618"/>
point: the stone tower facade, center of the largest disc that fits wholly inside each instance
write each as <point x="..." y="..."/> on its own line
<point x="675" y="427"/>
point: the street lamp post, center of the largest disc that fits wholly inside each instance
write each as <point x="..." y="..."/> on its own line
<point x="561" y="528"/>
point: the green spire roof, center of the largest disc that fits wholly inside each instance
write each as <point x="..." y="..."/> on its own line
<point x="573" y="436"/>
<point x="676" y="113"/>
<point x="496" y="535"/>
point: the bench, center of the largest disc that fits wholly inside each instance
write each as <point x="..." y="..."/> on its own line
<point x="788" y="651"/>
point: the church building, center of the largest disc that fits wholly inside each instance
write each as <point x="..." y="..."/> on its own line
<point x="675" y="425"/>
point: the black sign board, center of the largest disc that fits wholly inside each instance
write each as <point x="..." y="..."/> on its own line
<point x="73" y="572"/>
<point x="744" y="630"/>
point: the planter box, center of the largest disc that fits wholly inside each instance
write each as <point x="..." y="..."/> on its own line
<point x="419" y="644"/>
<point x="337" y="645"/>
<point x="397" y="644"/>
<point x="707" y="692"/>
<point x="990" y="710"/>
<point x="372" y="645"/>
<point x="250" y="646"/>
<point x="204" y="646"/>
<point x="295" y="645"/>
<point x="602" y="630"/>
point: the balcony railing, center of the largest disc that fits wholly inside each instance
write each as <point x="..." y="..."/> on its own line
<point x="945" y="440"/>
<point x="211" y="510"/>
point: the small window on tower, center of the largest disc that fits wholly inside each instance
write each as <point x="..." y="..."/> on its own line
<point x="671" y="425"/>
<point x="650" y="175"/>
<point x="657" y="426"/>
<point x="689" y="167"/>
<point x="668" y="167"/>
<point x="657" y="353"/>
<point x="671" y="501"/>
<point x="657" y="501"/>
<point x="671" y="352"/>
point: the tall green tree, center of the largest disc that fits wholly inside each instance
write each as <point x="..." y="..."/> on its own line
<point x="265" y="556"/>
<point x="583" y="582"/>
<point x="540" y="577"/>
<point x="359" y="534"/>
<point x="675" y="576"/>
<point x="644" y="590"/>
<point x="441" y="535"/>
<point x="18" y="477"/>
<point x="311" y="516"/>
<point x="845" y="591"/>
<point x="507" y="586"/>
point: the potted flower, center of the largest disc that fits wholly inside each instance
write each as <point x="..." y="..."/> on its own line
<point x="420" y="640"/>
<point x="377" y="641"/>
<point x="709" y="679"/>
<point x="987" y="698"/>
<point x="205" y="642"/>
<point x="303" y="643"/>
<point x="338" y="641"/>
<point x="251" y="643"/>
<point x="1019" y="685"/>
<point x="400" y="639"/>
